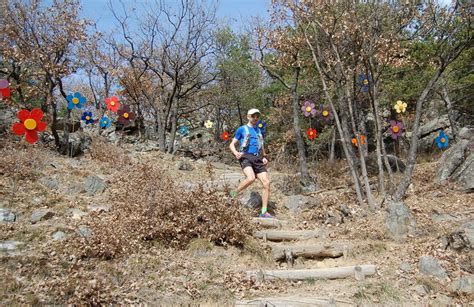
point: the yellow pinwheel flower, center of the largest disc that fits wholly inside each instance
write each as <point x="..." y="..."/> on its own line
<point x="208" y="124"/>
<point x="400" y="106"/>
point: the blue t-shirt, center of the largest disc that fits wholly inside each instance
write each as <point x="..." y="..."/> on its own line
<point x="253" y="139"/>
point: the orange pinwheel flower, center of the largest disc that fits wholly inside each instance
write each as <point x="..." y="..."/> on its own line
<point x="362" y="140"/>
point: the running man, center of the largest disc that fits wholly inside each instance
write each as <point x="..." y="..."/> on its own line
<point x="251" y="156"/>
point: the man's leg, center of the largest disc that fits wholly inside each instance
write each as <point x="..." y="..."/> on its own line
<point x="250" y="178"/>
<point x="263" y="177"/>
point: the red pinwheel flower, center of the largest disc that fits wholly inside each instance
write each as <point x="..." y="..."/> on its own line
<point x="113" y="103"/>
<point x="30" y="124"/>
<point x="311" y="133"/>
<point x="125" y="115"/>
<point x="225" y="136"/>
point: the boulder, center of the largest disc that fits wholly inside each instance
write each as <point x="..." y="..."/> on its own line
<point x="299" y="202"/>
<point x="51" y="183"/>
<point x="463" y="285"/>
<point x="185" y="166"/>
<point x="396" y="164"/>
<point x="84" y="231"/>
<point x="451" y="160"/>
<point x="6" y="215"/>
<point x="41" y="215"/>
<point x="59" y="236"/>
<point x="463" y="237"/>
<point x="399" y="221"/>
<point x="251" y="199"/>
<point x="9" y="246"/>
<point x="76" y="214"/>
<point x="94" y="185"/>
<point x="464" y="175"/>
<point x="430" y="266"/>
<point x="77" y="144"/>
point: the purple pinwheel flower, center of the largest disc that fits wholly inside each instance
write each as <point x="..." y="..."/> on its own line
<point x="326" y="114"/>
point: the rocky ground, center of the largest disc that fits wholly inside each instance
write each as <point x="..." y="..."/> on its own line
<point x="422" y="249"/>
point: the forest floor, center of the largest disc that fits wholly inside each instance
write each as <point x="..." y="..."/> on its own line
<point x="33" y="271"/>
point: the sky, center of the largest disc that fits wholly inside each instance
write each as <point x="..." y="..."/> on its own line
<point x="235" y="13"/>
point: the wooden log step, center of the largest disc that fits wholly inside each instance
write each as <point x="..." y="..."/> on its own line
<point x="281" y="235"/>
<point x="294" y="301"/>
<point x="358" y="272"/>
<point x="269" y="222"/>
<point x="310" y="251"/>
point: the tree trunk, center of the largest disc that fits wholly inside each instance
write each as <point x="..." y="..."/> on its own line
<point x="332" y="146"/>
<point x="174" y="122"/>
<point x="411" y="161"/>
<point x="305" y="179"/>
<point x="449" y="107"/>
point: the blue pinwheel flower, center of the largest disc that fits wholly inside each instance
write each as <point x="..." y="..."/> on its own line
<point x="442" y="140"/>
<point x="183" y="130"/>
<point x="76" y="100"/>
<point x="364" y="82"/>
<point x="87" y="117"/>
<point x="262" y="126"/>
<point x="105" y="122"/>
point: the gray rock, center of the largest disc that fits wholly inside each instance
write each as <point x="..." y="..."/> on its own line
<point x="298" y="202"/>
<point x="463" y="285"/>
<point x="396" y="164"/>
<point x="466" y="133"/>
<point x="76" y="213"/>
<point x="84" y="231"/>
<point x="6" y="246"/>
<point x="77" y="144"/>
<point x="400" y="221"/>
<point x="232" y="179"/>
<point x="59" y="236"/>
<point x="333" y="218"/>
<point x="434" y="125"/>
<point x="345" y="210"/>
<point x="463" y="237"/>
<point x="97" y="207"/>
<point x="465" y="174"/>
<point x="430" y="266"/>
<point x="94" y="185"/>
<point x="75" y="188"/>
<point x="51" y="183"/>
<point x="421" y="290"/>
<point x="41" y="215"/>
<point x="309" y="188"/>
<point x="185" y="166"/>
<point x="451" y="160"/>
<point x="251" y="199"/>
<point x="406" y="267"/>
<point x="6" y="215"/>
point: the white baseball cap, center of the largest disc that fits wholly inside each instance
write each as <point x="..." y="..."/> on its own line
<point x="253" y="111"/>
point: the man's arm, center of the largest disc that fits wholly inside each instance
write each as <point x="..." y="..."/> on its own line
<point x="237" y="154"/>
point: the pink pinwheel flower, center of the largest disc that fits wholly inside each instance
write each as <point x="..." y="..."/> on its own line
<point x="308" y="108"/>
<point x="396" y="129"/>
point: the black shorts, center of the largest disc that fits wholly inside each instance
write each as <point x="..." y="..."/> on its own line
<point x="255" y="162"/>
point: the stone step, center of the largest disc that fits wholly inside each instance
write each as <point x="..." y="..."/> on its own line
<point x="290" y="235"/>
<point x="359" y="272"/>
